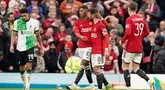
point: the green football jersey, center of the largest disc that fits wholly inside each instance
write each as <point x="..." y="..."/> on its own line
<point x="25" y="32"/>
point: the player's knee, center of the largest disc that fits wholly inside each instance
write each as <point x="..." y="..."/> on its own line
<point x="29" y="66"/>
<point x="22" y="68"/>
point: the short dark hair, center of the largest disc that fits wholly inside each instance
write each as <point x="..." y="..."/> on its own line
<point x="10" y="14"/>
<point x="93" y="11"/>
<point x="95" y="1"/>
<point x="133" y="6"/>
<point x="113" y="7"/>
<point x="84" y="7"/>
<point x="23" y="10"/>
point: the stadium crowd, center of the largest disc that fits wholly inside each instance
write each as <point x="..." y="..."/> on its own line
<point x="57" y="19"/>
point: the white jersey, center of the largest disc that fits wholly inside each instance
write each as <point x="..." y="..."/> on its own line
<point x="25" y="32"/>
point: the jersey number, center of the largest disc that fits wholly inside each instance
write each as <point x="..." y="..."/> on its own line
<point x="139" y="28"/>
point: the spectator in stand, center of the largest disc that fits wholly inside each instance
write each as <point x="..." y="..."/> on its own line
<point x="12" y="3"/>
<point x="48" y="35"/>
<point x="97" y="5"/>
<point x="111" y="63"/>
<point x="54" y="8"/>
<point x="45" y="4"/>
<point x="3" y="9"/>
<point x="38" y="63"/>
<point x="116" y="4"/>
<point x="114" y="24"/>
<point x="35" y="9"/>
<point x="158" y="65"/>
<point x="161" y="30"/>
<point x="152" y="13"/>
<point x="69" y="30"/>
<point x="114" y="34"/>
<point x="16" y="11"/>
<point x="34" y="3"/>
<point x="52" y="59"/>
<point x="73" y="64"/>
<point x="148" y="44"/>
<point x="59" y="37"/>
<point x="9" y="24"/>
<point x="4" y="46"/>
<point x="66" y="54"/>
<point x="114" y="47"/>
<point x="48" y="21"/>
<point x="66" y="5"/>
<point x="55" y="25"/>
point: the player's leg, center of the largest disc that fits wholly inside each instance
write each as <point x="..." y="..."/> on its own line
<point x="85" y="56"/>
<point x="23" y="74"/>
<point x="29" y="59"/>
<point x="127" y="58"/>
<point x="97" y="63"/>
<point x="140" y="72"/>
<point x="22" y="63"/>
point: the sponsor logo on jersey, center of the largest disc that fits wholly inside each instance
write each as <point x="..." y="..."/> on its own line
<point x="85" y="29"/>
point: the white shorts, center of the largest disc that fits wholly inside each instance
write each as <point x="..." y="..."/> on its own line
<point x="97" y="60"/>
<point x="129" y="57"/>
<point x="84" y="53"/>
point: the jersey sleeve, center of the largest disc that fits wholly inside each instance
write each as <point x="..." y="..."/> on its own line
<point x="106" y="37"/>
<point x="76" y="29"/>
<point x="105" y="23"/>
<point x="128" y="28"/>
<point x="36" y="29"/>
<point x="15" y="26"/>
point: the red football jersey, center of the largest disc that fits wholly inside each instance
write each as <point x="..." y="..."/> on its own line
<point x="136" y="31"/>
<point x="100" y="38"/>
<point x="111" y="58"/>
<point x="83" y="28"/>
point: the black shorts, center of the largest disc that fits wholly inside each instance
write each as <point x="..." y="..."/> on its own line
<point x="25" y="56"/>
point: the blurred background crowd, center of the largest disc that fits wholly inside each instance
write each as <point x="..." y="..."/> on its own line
<point x="57" y="18"/>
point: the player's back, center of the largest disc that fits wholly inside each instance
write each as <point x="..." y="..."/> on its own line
<point x="137" y="29"/>
<point x="84" y="28"/>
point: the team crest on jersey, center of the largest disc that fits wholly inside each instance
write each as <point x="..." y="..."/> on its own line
<point x="90" y="23"/>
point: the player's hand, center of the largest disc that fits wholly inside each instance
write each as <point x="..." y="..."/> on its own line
<point x="11" y="49"/>
<point x="84" y="38"/>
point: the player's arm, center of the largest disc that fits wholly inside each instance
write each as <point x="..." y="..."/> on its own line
<point x="39" y="39"/>
<point x="13" y="37"/>
<point x="76" y="29"/>
<point x="106" y="38"/>
<point x="105" y="23"/>
<point x="146" y="30"/>
<point x="127" y="32"/>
